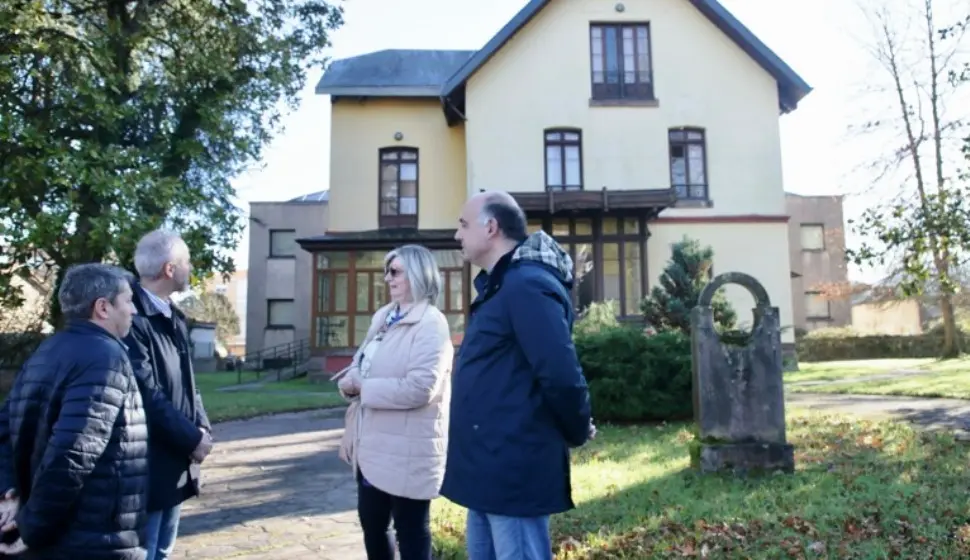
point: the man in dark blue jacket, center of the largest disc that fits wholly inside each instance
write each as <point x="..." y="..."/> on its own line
<point x="519" y="398"/>
<point x="160" y="353"/>
<point x="73" y="440"/>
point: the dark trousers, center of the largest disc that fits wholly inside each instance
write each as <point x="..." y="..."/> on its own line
<point x="412" y="524"/>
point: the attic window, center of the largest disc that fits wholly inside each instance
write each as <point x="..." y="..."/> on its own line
<point x="620" y="61"/>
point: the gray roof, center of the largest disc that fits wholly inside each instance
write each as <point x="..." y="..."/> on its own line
<point x="791" y="87"/>
<point x="396" y="73"/>
<point x="409" y="73"/>
<point x="319" y="196"/>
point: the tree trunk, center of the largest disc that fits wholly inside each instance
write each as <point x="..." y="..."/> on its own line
<point x="951" y="339"/>
<point x="56" y="314"/>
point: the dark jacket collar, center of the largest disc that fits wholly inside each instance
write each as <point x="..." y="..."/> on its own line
<point x="144" y="304"/>
<point x="490" y="281"/>
<point x="84" y="326"/>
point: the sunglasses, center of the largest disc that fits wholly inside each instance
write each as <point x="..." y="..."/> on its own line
<point x="392" y="272"/>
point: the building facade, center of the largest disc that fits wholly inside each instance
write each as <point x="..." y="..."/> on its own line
<point x="816" y="235"/>
<point x="235" y="289"/>
<point x="618" y="130"/>
<point x="278" y="294"/>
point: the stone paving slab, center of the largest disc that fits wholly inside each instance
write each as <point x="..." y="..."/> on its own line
<point x="274" y="489"/>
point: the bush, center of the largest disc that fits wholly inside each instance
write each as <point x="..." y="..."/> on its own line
<point x="634" y="377"/>
<point x="15" y="348"/>
<point x="826" y="345"/>
<point x="687" y="273"/>
<point x="598" y="316"/>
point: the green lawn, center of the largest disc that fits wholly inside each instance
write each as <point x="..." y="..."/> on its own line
<point x="288" y="396"/>
<point x="945" y="379"/>
<point x="861" y="490"/>
<point x="830" y="371"/>
<point x="952" y="385"/>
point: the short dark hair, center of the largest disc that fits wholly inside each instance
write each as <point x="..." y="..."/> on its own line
<point x="84" y="284"/>
<point x="509" y="218"/>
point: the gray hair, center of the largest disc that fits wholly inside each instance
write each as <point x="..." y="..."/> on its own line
<point x="421" y="270"/>
<point x="508" y="215"/>
<point x="154" y="251"/>
<point x="85" y="284"/>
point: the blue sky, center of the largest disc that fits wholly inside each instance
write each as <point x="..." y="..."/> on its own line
<point x="823" y="40"/>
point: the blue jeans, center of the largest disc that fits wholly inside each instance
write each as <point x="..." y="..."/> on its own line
<point x="163" y="526"/>
<point x="497" y="537"/>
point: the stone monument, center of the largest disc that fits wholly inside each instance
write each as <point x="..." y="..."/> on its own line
<point x="739" y="398"/>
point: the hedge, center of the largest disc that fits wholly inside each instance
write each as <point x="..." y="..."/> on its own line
<point x="636" y="377"/>
<point x="844" y="344"/>
<point x="15" y="348"/>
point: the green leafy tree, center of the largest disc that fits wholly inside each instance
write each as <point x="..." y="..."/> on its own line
<point x="213" y="308"/>
<point x="669" y="305"/>
<point x="120" y="116"/>
<point x="923" y="233"/>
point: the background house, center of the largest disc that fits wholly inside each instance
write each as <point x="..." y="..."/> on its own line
<point x="619" y="128"/>
<point x="279" y="294"/>
<point x="235" y="288"/>
<point x="816" y="237"/>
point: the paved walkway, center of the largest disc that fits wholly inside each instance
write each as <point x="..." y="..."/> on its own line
<point x="950" y="414"/>
<point x="274" y="489"/>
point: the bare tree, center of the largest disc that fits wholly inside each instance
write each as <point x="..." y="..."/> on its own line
<point x="924" y="231"/>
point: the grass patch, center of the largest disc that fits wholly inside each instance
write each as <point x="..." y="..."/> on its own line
<point x="862" y="489"/>
<point x="271" y="398"/>
<point x="831" y="371"/>
<point x="930" y="378"/>
<point x="947" y="384"/>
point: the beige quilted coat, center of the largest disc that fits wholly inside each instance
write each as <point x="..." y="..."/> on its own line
<point x="397" y="432"/>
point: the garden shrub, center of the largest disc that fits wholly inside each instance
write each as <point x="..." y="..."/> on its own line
<point x="636" y="377"/>
<point x="826" y="345"/>
<point x="16" y="347"/>
<point x="685" y="276"/>
<point x="597" y="316"/>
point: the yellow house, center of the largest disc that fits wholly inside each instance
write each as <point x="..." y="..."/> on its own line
<point x="619" y="126"/>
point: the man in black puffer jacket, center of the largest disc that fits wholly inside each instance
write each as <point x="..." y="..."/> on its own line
<point x="73" y="438"/>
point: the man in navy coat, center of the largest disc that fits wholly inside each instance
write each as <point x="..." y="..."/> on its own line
<point x="519" y="398"/>
<point x="160" y="352"/>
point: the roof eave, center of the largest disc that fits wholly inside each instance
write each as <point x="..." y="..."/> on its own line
<point x="377" y="91"/>
<point x="791" y="87"/>
<point x="482" y="56"/>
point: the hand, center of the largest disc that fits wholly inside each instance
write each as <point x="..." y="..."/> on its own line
<point x="592" y="429"/>
<point x="204" y="448"/>
<point x="13" y="549"/>
<point x="350" y="384"/>
<point x="9" y="506"/>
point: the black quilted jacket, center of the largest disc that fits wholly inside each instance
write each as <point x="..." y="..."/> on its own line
<point x="73" y="443"/>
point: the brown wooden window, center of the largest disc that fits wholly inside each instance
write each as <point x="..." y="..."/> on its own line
<point x="349" y="288"/>
<point x="688" y="163"/>
<point x="608" y="257"/>
<point x="398" y="188"/>
<point x="620" y="61"/>
<point x="564" y="160"/>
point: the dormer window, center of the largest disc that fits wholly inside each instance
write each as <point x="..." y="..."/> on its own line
<point x="620" y="61"/>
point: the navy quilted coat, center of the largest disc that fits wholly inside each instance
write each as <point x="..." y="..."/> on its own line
<point x="73" y="443"/>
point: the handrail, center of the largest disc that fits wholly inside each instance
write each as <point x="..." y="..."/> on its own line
<point x="280" y="358"/>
